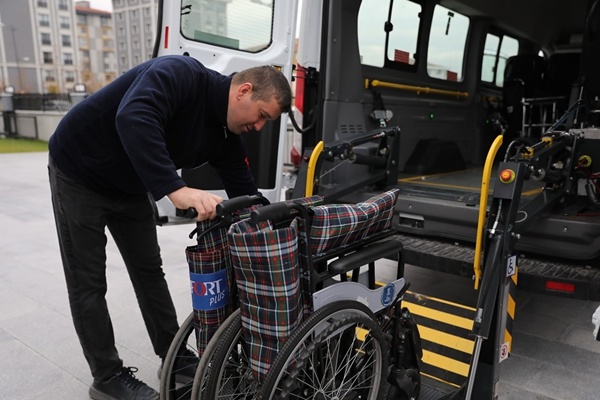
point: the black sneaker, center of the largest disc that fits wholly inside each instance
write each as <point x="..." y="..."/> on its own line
<point x="122" y="386"/>
<point x="185" y="366"/>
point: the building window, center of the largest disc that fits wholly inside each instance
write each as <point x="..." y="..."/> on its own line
<point x="104" y="21"/>
<point x="63" y="4"/>
<point x="65" y="22"/>
<point x="69" y="76"/>
<point x="68" y="59"/>
<point x="83" y="42"/>
<point x="82" y="19"/>
<point x="66" y="40"/>
<point x="42" y="3"/>
<point x="47" y="57"/>
<point x="44" y="19"/>
<point x="46" y="38"/>
<point x="49" y="75"/>
<point x="107" y="43"/>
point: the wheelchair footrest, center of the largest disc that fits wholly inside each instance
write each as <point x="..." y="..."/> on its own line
<point x="375" y="299"/>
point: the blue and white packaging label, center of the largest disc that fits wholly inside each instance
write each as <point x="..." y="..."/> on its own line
<point x="209" y="291"/>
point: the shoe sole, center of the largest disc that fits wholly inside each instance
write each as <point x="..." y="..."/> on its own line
<point x="179" y="378"/>
<point x="98" y="395"/>
<point x="95" y="394"/>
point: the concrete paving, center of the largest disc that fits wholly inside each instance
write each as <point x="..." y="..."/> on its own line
<point x="40" y="356"/>
<point x="554" y="357"/>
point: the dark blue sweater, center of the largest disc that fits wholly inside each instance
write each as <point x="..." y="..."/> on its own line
<point x="131" y="136"/>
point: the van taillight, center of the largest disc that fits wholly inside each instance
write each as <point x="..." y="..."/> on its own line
<point x="300" y="81"/>
<point x="560" y="286"/>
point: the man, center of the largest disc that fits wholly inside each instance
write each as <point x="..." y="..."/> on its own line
<point x="128" y="140"/>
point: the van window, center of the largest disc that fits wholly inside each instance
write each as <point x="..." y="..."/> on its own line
<point x="496" y="51"/>
<point x="237" y="24"/>
<point x="447" y="42"/>
<point x="403" y="29"/>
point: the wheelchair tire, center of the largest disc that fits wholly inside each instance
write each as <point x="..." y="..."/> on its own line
<point x="169" y="389"/>
<point x="231" y="374"/>
<point x="338" y="352"/>
<point x="199" y="386"/>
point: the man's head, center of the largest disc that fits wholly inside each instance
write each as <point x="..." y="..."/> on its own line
<point x="257" y="95"/>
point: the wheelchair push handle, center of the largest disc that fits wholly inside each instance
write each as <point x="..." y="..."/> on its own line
<point x="278" y="211"/>
<point x="227" y="207"/>
<point x="275" y="212"/>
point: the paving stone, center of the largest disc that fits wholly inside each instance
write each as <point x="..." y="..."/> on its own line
<point x="554" y="356"/>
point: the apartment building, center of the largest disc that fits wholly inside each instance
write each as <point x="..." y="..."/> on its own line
<point x="135" y="30"/>
<point x="38" y="53"/>
<point x="96" y="42"/>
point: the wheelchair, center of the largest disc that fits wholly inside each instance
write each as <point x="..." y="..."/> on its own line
<point x="331" y="332"/>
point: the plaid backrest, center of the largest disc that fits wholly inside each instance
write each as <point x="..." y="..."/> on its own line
<point x="267" y="272"/>
<point x="338" y="225"/>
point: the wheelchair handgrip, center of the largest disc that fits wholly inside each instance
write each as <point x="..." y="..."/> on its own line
<point x="226" y="207"/>
<point x="190" y="213"/>
<point x="275" y="211"/>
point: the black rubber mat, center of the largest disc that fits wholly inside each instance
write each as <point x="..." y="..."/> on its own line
<point x="429" y="393"/>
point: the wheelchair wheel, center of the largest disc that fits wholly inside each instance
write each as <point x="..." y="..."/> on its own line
<point x="338" y="352"/>
<point x="230" y="376"/>
<point x="206" y="364"/>
<point x="182" y="346"/>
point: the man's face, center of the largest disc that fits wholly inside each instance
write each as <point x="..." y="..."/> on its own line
<point x="244" y="115"/>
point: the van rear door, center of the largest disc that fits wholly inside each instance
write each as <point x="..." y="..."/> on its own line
<point x="229" y="36"/>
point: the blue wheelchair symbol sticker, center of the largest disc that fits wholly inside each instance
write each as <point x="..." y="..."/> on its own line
<point x="388" y="294"/>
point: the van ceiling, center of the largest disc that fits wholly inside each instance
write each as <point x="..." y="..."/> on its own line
<point x="548" y="23"/>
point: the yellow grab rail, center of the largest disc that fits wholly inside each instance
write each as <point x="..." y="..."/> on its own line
<point x="312" y="166"/>
<point x="416" y="89"/>
<point x="485" y="183"/>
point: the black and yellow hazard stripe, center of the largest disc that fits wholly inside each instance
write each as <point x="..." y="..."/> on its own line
<point x="445" y="329"/>
<point x="511" y="306"/>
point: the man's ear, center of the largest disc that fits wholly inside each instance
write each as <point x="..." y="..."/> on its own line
<point x="244" y="88"/>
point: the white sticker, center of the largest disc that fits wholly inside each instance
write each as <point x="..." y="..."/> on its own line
<point x="511" y="266"/>
<point x="504" y="351"/>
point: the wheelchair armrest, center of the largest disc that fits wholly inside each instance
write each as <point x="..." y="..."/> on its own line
<point x="364" y="256"/>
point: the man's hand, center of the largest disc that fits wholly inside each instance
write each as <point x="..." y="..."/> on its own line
<point x="205" y="203"/>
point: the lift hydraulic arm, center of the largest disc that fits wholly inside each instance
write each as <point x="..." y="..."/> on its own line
<point x="552" y="160"/>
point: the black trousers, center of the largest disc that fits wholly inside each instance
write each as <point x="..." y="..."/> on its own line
<point x="81" y="217"/>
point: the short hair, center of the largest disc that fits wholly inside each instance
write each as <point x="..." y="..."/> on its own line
<point x="267" y="82"/>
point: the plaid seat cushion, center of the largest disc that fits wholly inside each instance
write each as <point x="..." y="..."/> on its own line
<point x="338" y="225"/>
